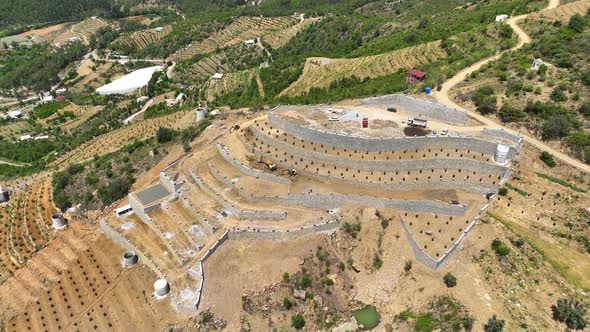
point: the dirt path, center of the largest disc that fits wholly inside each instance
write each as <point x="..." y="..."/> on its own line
<point x="523" y="38"/>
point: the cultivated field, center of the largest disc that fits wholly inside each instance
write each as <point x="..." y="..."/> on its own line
<point x="230" y="82"/>
<point x="279" y="38"/>
<point x="321" y="72"/>
<point x="15" y="130"/>
<point x="563" y="13"/>
<point x="81" y="114"/>
<point x="141" y="39"/>
<point x="83" y="30"/>
<point x="241" y="29"/>
<point x="26" y="225"/>
<point x="119" y="138"/>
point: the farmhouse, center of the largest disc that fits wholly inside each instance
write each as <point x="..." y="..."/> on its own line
<point x="413" y="76"/>
<point x="16" y="114"/>
<point x="537" y="63"/>
<point x="217" y="76"/>
<point x="45" y="97"/>
<point x="501" y="18"/>
<point x="250" y="42"/>
<point x="3" y="195"/>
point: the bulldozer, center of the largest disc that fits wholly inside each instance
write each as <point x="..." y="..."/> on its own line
<point x="234" y="127"/>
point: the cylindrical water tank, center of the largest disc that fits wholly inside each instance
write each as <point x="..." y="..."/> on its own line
<point x="58" y="221"/>
<point x="161" y="287"/>
<point x="427" y="90"/>
<point x="501" y="153"/>
<point x="129" y="258"/>
<point x="201" y="114"/>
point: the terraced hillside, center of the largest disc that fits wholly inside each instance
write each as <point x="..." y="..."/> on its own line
<point x="243" y="28"/>
<point x="119" y="138"/>
<point x="26" y="226"/>
<point x="564" y="12"/>
<point x="83" y="30"/>
<point x="231" y="59"/>
<point x="141" y="39"/>
<point x="320" y="72"/>
<point x="230" y="82"/>
<point x="279" y="38"/>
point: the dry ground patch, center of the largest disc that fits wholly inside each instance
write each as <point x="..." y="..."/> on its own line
<point x="563" y="13"/>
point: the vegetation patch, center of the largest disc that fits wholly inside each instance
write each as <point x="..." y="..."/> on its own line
<point x="561" y="182"/>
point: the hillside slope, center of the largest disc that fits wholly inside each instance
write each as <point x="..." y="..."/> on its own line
<point x="42" y="11"/>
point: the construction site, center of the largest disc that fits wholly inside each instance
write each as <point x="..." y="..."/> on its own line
<point x="291" y="171"/>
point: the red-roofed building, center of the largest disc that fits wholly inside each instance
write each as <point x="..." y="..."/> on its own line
<point x="413" y="76"/>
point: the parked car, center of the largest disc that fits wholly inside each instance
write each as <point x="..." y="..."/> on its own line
<point x="444" y="131"/>
<point x="333" y="118"/>
<point x="392" y="109"/>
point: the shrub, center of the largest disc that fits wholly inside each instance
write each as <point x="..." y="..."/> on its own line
<point x="164" y="135"/>
<point x="494" y="325"/>
<point x="297" y="321"/>
<point x="499" y="248"/>
<point x="547" y="158"/>
<point x="450" y="280"/>
<point x="287" y="303"/>
<point x="571" y="312"/>
<point x="408" y="265"/>
<point x="351" y="229"/>
<point x="377" y="262"/>
<point x="556" y="126"/>
<point x="305" y="281"/>
<point x="286" y="276"/>
<point x="509" y="113"/>
<point x="503" y="191"/>
<point x="558" y="95"/>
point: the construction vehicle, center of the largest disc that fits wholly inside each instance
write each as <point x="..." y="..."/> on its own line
<point x="270" y="166"/>
<point x="234" y="127"/>
<point x="290" y="172"/>
<point x="415" y="122"/>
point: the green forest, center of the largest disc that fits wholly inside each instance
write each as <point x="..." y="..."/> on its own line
<point x="26" y="12"/>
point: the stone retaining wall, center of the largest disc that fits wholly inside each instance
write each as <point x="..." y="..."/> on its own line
<point x="385" y="144"/>
<point x="232" y="209"/>
<point x="187" y="204"/>
<point x="248" y="170"/>
<point x="517" y="139"/>
<point x="382" y="165"/>
<point x="418" y="108"/>
<point x="265" y="234"/>
<point x="120" y="240"/>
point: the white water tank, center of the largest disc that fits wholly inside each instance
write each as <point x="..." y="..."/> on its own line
<point x="501" y="154"/>
<point x="161" y="287"/>
<point x="129" y="258"/>
<point x="58" y="221"/>
<point x="201" y="114"/>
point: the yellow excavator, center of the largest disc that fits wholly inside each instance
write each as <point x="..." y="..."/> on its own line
<point x="269" y="165"/>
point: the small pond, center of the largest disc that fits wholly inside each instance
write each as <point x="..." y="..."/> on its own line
<point x="368" y="317"/>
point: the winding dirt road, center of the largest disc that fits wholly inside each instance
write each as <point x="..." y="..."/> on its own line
<point x="523" y="38"/>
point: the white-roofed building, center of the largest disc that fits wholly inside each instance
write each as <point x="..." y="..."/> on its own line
<point x="130" y="82"/>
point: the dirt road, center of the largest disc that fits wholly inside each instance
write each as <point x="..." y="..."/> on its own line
<point x="523" y="38"/>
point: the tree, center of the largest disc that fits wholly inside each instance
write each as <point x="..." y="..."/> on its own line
<point x="164" y="135"/>
<point x="450" y="280"/>
<point x="494" y="325"/>
<point x="547" y="158"/>
<point x="297" y="321"/>
<point x="488" y="105"/>
<point x="556" y="126"/>
<point x="500" y="248"/>
<point x="577" y="23"/>
<point x="585" y="109"/>
<point x="503" y="191"/>
<point x="558" y="95"/>
<point x="571" y="312"/>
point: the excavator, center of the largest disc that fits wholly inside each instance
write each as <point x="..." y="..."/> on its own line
<point x="234" y="128"/>
<point x="290" y="172"/>
<point x="269" y="165"/>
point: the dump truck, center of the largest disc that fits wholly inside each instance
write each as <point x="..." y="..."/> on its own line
<point x="416" y="122"/>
